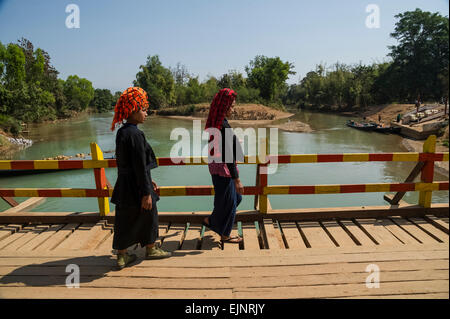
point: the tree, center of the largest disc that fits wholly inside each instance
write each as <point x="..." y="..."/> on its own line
<point x="180" y="74"/>
<point x="225" y="81"/>
<point x="157" y="81"/>
<point x="79" y="92"/>
<point x="115" y="98"/>
<point x="14" y="61"/>
<point x="194" y="92"/>
<point x="421" y="54"/>
<point x="102" y="101"/>
<point x="181" y="77"/>
<point x="210" y="87"/>
<point x="269" y="75"/>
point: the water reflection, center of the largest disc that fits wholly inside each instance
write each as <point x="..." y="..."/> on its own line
<point x="330" y="136"/>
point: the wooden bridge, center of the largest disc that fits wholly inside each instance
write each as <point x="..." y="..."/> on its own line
<point x="289" y="253"/>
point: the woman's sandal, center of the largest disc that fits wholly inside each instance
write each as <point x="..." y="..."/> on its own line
<point x="233" y="240"/>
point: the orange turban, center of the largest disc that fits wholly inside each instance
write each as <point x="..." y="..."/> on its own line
<point x="131" y="100"/>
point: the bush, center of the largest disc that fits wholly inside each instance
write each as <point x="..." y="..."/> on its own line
<point x="9" y="124"/>
<point x="3" y="140"/>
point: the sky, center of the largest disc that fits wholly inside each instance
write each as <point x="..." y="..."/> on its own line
<point x="210" y="37"/>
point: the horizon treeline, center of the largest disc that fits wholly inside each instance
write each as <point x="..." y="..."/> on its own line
<point x="418" y="67"/>
<point x="30" y="90"/>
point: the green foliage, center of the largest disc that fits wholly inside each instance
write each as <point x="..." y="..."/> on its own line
<point x="341" y="87"/>
<point x="8" y="124"/>
<point x="421" y="55"/>
<point x="116" y="98"/>
<point x="103" y="100"/>
<point x="30" y="90"/>
<point x="210" y="88"/>
<point x="3" y="140"/>
<point x="79" y="92"/>
<point x="269" y="75"/>
<point x="187" y="89"/>
<point x="420" y="66"/>
<point x="14" y="61"/>
<point x="157" y="81"/>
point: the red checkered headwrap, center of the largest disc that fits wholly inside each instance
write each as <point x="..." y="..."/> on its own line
<point x="219" y="107"/>
<point x="132" y="99"/>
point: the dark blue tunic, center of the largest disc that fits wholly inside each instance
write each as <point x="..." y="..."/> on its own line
<point x="135" y="158"/>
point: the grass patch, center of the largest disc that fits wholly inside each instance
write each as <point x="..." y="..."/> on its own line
<point x="4" y="141"/>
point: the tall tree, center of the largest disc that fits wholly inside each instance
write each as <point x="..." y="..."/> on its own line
<point x="269" y="75"/>
<point x="422" y="52"/>
<point x="79" y="92"/>
<point x="157" y="81"/>
<point x="102" y="101"/>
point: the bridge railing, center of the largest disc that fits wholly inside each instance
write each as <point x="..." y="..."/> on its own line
<point x="425" y="167"/>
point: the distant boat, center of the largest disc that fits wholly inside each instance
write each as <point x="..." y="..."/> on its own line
<point x="373" y="127"/>
<point x="361" y="126"/>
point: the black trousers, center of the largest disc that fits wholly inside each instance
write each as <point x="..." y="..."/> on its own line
<point x="133" y="225"/>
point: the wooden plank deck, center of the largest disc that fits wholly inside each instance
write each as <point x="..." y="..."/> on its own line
<point x="277" y="259"/>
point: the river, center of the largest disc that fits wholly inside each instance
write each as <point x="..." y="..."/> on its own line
<point x="330" y="136"/>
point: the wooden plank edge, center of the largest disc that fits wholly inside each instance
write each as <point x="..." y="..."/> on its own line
<point x="310" y="214"/>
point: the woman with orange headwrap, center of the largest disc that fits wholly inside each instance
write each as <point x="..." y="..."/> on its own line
<point x="134" y="194"/>
<point x="222" y="167"/>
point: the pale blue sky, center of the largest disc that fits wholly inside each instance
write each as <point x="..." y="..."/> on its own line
<point x="208" y="36"/>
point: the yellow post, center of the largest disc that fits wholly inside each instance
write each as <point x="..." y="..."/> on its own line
<point x="427" y="172"/>
<point x="100" y="179"/>
<point x="262" y="152"/>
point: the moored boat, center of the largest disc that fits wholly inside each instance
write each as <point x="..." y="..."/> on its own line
<point x="361" y="126"/>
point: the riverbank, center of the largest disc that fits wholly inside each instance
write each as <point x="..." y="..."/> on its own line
<point x="388" y="113"/>
<point x="5" y="144"/>
<point x="70" y="116"/>
<point x="248" y="115"/>
<point x="10" y="144"/>
<point x="417" y="146"/>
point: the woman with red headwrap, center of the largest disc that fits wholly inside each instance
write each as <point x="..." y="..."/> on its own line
<point x="134" y="194"/>
<point x="222" y="167"/>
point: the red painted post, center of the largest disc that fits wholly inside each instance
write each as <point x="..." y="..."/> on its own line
<point x="100" y="180"/>
<point x="427" y="172"/>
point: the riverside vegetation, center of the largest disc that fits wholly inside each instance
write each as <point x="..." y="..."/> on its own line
<point x="30" y="90"/>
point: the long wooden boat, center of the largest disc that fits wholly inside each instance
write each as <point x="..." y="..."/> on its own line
<point x="361" y="126"/>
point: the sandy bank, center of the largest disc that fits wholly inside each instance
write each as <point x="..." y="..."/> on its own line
<point x="6" y="147"/>
<point x="249" y="115"/>
<point x="294" y="126"/>
<point x="417" y="146"/>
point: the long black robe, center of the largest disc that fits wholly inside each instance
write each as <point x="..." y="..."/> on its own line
<point x="135" y="158"/>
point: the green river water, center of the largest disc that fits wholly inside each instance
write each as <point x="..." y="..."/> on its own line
<point x="330" y="136"/>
